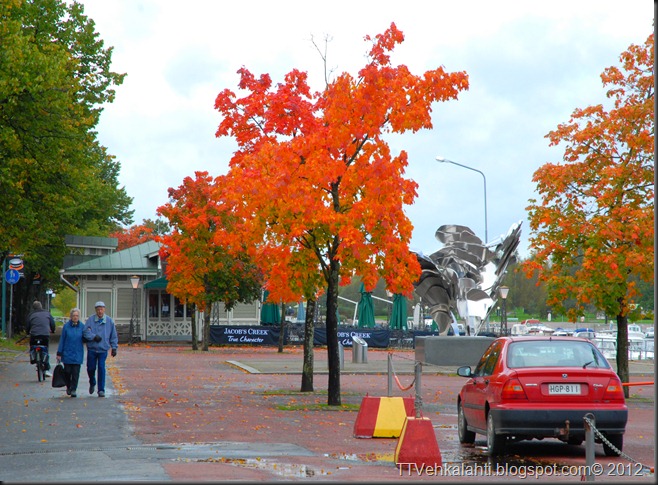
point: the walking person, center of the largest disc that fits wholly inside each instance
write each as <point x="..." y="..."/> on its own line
<point x="101" y="336"/>
<point x="71" y="351"/>
<point x="40" y="324"/>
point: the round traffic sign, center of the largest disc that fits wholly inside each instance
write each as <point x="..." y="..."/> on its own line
<point x="12" y="276"/>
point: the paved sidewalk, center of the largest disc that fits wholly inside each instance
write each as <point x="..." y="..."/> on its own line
<point x="236" y="413"/>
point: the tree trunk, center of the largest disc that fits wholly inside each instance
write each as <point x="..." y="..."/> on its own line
<point x="206" y="326"/>
<point x="283" y="327"/>
<point x="622" y="351"/>
<point x="195" y="338"/>
<point x="333" y="398"/>
<point x="309" y="327"/>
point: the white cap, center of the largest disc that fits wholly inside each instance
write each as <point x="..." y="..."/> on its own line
<point x="99" y="303"/>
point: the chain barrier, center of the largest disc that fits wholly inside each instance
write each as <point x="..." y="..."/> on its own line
<point x="613" y="447"/>
<point x="395" y="376"/>
<point x="428" y="364"/>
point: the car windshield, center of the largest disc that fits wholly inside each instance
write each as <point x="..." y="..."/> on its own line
<point x="554" y="353"/>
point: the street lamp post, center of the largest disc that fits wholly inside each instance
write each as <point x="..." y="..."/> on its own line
<point x="445" y="160"/>
<point x="503" y="290"/>
<point x="49" y="294"/>
<point x="134" y="281"/>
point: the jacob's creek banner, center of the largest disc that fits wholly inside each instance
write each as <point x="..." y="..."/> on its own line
<point x="373" y="337"/>
<point x="255" y="335"/>
<point x="269" y="335"/>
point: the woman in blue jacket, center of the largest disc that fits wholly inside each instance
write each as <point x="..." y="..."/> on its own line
<point x="71" y="351"/>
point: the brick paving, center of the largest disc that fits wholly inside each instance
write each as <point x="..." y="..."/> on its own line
<point x="240" y="397"/>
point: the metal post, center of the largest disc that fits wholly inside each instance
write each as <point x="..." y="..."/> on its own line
<point x="418" y="402"/>
<point x="390" y="375"/>
<point x="4" y="297"/>
<point x="503" y="325"/>
<point x="11" y="310"/>
<point x="132" y="320"/>
<point x="134" y="281"/>
<point x="589" y="447"/>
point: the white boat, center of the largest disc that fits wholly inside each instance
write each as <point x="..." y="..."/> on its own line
<point x="638" y="348"/>
<point x="519" y="329"/>
<point x="539" y="329"/>
<point x="607" y="346"/>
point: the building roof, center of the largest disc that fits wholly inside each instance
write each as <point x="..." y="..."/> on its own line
<point x="140" y="259"/>
<point x="91" y="242"/>
<point x="159" y="283"/>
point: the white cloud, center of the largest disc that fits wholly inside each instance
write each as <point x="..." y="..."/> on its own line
<point x="530" y="65"/>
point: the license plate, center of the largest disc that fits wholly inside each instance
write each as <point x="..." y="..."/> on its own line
<point x="564" y="388"/>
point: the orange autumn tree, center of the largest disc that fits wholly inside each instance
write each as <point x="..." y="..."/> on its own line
<point x="140" y="233"/>
<point x="314" y="183"/>
<point x="198" y="270"/>
<point x="593" y="227"/>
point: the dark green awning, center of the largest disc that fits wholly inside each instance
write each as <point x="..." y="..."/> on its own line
<point x="160" y="283"/>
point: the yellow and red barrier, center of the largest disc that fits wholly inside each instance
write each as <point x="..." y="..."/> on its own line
<point x="382" y="417"/>
<point x="417" y="446"/>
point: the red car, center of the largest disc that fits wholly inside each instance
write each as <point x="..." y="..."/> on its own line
<point x="537" y="387"/>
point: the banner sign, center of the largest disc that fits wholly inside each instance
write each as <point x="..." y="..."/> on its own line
<point x="374" y="337"/>
<point x="269" y="335"/>
<point x="245" y="335"/>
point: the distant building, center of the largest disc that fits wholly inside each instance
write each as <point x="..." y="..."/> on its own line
<point x="96" y="271"/>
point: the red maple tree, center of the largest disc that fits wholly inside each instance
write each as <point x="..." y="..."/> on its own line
<point x="314" y="186"/>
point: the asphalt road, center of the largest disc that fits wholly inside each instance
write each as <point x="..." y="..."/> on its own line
<point x="48" y="435"/>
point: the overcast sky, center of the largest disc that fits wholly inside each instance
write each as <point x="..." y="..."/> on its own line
<point x="530" y="65"/>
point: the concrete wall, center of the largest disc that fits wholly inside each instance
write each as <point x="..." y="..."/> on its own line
<point x="451" y="350"/>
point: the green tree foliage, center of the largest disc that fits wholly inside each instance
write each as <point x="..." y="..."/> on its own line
<point x="526" y="293"/>
<point x="55" y="177"/>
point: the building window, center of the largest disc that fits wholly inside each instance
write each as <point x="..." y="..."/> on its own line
<point x="179" y="308"/>
<point x="154" y="304"/>
<point x="166" y="305"/>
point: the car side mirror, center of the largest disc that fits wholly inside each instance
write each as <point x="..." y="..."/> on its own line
<point x="464" y="371"/>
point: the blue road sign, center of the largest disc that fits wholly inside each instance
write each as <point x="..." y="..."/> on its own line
<point x="12" y="276"/>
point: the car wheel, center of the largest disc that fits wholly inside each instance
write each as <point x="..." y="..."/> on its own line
<point x="616" y="440"/>
<point x="575" y="440"/>
<point x="495" y="443"/>
<point x="465" y="436"/>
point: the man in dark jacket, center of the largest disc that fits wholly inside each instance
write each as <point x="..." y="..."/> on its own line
<point x="40" y="324"/>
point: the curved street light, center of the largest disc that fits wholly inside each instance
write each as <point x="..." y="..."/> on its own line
<point x="445" y="160"/>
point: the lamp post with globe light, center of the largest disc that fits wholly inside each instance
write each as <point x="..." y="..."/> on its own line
<point x="49" y="295"/>
<point x="503" y="291"/>
<point x="134" y="281"/>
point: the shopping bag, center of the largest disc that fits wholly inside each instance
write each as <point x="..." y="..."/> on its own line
<point x="58" y="376"/>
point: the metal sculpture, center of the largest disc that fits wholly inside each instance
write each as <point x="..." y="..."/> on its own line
<point x="464" y="275"/>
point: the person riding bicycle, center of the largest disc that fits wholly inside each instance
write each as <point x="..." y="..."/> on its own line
<point x="40" y="324"/>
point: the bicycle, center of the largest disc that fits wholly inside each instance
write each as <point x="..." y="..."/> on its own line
<point x="39" y="356"/>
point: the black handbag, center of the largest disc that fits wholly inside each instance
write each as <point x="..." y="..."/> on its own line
<point x="58" y="376"/>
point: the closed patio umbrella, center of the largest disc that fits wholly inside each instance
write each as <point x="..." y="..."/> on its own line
<point x="399" y="313"/>
<point x="301" y="312"/>
<point x="269" y="313"/>
<point x="366" y="309"/>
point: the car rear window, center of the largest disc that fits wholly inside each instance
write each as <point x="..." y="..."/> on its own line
<point x="555" y="353"/>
